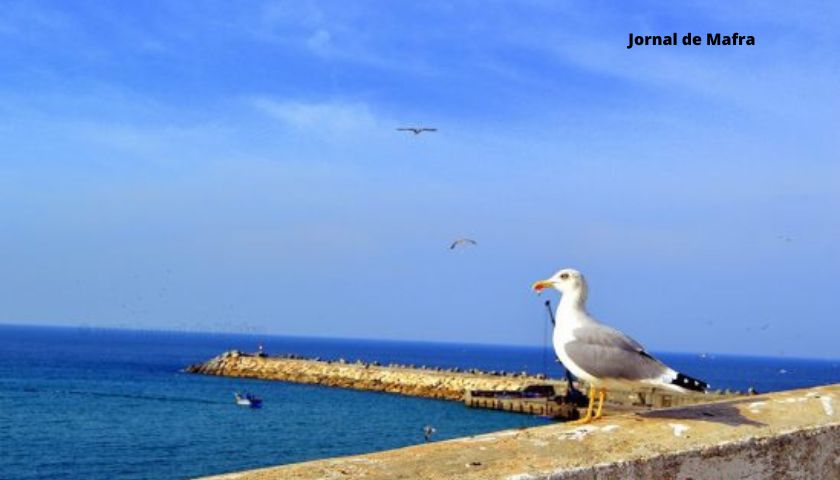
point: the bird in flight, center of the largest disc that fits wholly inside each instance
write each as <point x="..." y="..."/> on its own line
<point x="417" y="130"/>
<point x="462" y="241"/>
<point x="600" y="355"/>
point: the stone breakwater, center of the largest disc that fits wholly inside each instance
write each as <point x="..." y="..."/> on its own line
<point x="429" y="382"/>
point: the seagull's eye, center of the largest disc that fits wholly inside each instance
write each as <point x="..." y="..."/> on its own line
<point x="564" y="276"/>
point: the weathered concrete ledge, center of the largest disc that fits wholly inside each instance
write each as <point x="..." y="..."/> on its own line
<point x="783" y="435"/>
<point x="419" y="382"/>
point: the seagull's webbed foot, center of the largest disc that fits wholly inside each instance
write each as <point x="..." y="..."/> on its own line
<point x="582" y="421"/>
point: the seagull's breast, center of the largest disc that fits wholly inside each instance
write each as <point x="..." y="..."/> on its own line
<point x="566" y="323"/>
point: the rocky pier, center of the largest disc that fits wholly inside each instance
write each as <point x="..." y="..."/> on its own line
<point x="417" y="381"/>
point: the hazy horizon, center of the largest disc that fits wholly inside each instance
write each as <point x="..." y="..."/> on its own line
<point x="256" y="337"/>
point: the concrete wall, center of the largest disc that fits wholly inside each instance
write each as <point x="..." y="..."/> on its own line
<point x="807" y="454"/>
<point x="783" y="435"/>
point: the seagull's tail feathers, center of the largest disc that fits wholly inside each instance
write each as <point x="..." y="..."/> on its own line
<point x="681" y="382"/>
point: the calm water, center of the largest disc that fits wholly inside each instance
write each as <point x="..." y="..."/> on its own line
<point x="97" y="404"/>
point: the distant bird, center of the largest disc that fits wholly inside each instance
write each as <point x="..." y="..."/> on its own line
<point x="785" y="238"/>
<point x="600" y="355"/>
<point x="462" y="241"/>
<point x="416" y="130"/>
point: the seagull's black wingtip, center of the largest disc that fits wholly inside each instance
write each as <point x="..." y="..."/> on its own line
<point x="689" y="383"/>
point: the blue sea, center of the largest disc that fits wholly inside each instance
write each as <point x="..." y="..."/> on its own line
<point x="81" y="403"/>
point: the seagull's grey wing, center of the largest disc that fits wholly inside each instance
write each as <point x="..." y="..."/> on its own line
<point x="461" y="241"/>
<point x="604" y="352"/>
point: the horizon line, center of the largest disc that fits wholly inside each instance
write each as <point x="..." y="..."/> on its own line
<point x="394" y="340"/>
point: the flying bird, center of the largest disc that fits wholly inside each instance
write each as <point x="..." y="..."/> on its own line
<point x="462" y="241"/>
<point x="600" y="355"/>
<point x="417" y="130"/>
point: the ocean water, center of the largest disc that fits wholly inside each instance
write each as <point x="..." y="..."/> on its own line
<point x="114" y="404"/>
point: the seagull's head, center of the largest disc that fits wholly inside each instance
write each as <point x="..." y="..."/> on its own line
<point x="567" y="280"/>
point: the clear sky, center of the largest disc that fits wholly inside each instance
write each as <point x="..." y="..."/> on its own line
<point x="233" y="166"/>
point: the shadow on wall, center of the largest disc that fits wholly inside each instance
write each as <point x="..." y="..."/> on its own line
<point x="724" y="413"/>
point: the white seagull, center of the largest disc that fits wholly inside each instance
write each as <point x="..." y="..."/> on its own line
<point x="600" y="355"/>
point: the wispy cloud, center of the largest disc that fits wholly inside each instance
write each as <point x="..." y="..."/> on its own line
<point x="31" y="20"/>
<point x="349" y="34"/>
<point x="327" y="117"/>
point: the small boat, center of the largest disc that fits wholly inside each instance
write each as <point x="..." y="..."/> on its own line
<point x="248" y="400"/>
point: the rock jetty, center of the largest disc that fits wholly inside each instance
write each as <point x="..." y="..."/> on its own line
<point x="417" y="381"/>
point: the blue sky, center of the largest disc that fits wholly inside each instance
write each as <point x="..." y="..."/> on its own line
<point x="231" y="166"/>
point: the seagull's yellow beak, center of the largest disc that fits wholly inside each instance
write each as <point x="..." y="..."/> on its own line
<point x="540" y="285"/>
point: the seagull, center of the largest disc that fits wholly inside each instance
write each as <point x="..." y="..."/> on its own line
<point x="462" y="241"/>
<point x="600" y="355"/>
<point x="416" y="130"/>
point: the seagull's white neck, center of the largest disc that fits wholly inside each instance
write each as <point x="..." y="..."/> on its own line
<point x="573" y="300"/>
<point x="571" y="312"/>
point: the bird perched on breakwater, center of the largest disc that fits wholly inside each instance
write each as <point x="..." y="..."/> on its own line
<point x="600" y="355"/>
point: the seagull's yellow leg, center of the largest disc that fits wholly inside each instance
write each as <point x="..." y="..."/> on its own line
<point x="602" y="394"/>
<point x="588" y="417"/>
